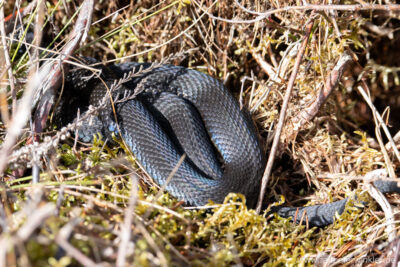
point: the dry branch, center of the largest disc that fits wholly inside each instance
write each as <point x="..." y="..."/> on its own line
<point x="5" y="61"/>
<point x="363" y="89"/>
<point x="330" y="84"/>
<point x="282" y="116"/>
<point x="45" y="97"/>
<point x="45" y="94"/>
<point x="382" y="201"/>
<point x="315" y="7"/>
<point x="126" y="226"/>
<point x="75" y="253"/>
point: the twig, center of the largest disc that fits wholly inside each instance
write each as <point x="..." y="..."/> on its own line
<point x="396" y="139"/>
<point x="161" y="257"/>
<point x="6" y="57"/>
<point x="33" y="93"/>
<point x="389" y="164"/>
<point x="380" y="31"/>
<point x="282" y="116"/>
<point x="35" y="220"/>
<point x="34" y="59"/>
<point x="66" y="232"/>
<point x="20" y="118"/>
<point x="382" y="201"/>
<point x="264" y="15"/>
<point x="268" y="68"/>
<point x="34" y="66"/>
<point x="46" y="95"/>
<point x="391" y="254"/>
<point x="316" y="7"/>
<point x="330" y="84"/>
<point x="75" y="253"/>
<point x="126" y="229"/>
<point x="363" y="89"/>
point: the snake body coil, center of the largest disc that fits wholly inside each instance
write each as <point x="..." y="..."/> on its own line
<point x="176" y="112"/>
<point x="179" y="111"/>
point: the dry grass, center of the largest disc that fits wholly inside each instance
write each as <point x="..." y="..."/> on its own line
<point x="94" y="205"/>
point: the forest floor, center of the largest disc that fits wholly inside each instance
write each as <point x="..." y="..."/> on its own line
<point x="77" y="204"/>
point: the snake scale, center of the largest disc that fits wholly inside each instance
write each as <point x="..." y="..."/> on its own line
<point x="178" y="112"/>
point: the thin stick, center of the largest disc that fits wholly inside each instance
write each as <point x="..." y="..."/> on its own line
<point x="126" y="226"/>
<point x="47" y="94"/>
<point x="282" y="116"/>
<point x="330" y="84"/>
<point x="6" y="57"/>
<point x="382" y="201"/>
<point x="315" y="7"/>
<point x="75" y="253"/>
<point x="34" y="66"/>
<point x="35" y="220"/>
<point x="268" y="68"/>
<point x="396" y="139"/>
<point x="20" y="118"/>
<point x="363" y="89"/>
<point x="52" y="80"/>
<point x="389" y="164"/>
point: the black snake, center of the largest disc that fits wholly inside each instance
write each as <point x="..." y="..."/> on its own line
<point x="180" y="111"/>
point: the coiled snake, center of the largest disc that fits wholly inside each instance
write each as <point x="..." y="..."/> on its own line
<point x="179" y="111"/>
